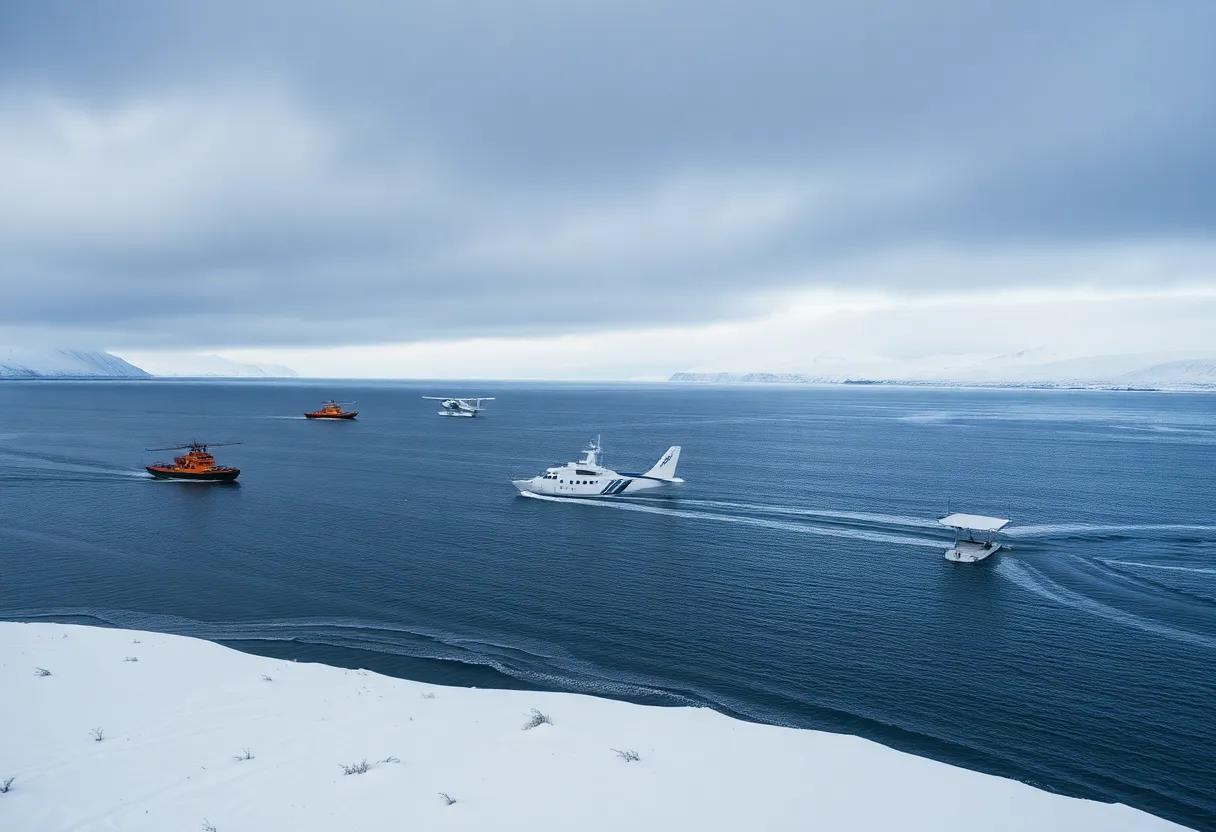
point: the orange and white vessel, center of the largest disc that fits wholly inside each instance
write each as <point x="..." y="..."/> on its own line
<point x="332" y="410"/>
<point x="197" y="464"/>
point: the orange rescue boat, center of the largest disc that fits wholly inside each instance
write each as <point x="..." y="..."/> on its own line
<point x="197" y="465"/>
<point x="332" y="410"/>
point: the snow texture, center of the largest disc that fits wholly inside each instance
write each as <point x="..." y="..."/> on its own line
<point x="28" y="362"/>
<point x="196" y="731"/>
<point x="210" y="366"/>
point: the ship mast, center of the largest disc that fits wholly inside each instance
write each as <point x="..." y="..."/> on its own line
<point x="591" y="456"/>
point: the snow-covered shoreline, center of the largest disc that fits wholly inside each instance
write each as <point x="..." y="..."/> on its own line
<point x="191" y="730"/>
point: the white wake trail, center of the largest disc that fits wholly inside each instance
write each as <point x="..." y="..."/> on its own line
<point x="1197" y="570"/>
<point x="1091" y="528"/>
<point x="1028" y="579"/>
<point x="759" y="522"/>
<point x="862" y="517"/>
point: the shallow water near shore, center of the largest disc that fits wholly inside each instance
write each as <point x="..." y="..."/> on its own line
<point x="797" y="578"/>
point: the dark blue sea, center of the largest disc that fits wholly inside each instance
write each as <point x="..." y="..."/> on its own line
<point x="796" y="579"/>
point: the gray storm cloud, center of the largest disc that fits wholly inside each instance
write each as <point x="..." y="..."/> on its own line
<point x="245" y="174"/>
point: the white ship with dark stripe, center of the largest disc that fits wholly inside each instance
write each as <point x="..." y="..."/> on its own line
<point x="589" y="478"/>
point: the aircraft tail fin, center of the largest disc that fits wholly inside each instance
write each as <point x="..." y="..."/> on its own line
<point x="665" y="468"/>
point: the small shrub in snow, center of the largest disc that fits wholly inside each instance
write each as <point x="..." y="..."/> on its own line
<point x="446" y="799"/>
<point x="208" y="826"/>
<point x="244" y="755"/>
<point x="131" y="659"/>
<point x="98" y="734"/>
<point x="41" y="671"/>
<point x="537" y="718"/>
<point x="388" y="760"/>
<point x="628" y="756"/>
<point x="355" y="768"/>
<point x="7" y="785"/>
<point x="266" y="678"/>
<point x="428" y="696"/>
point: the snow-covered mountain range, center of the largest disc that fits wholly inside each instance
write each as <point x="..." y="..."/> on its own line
<point x="194" y="365"/>
<point x="32" y="362"/>
<point x="1038" y="367"/>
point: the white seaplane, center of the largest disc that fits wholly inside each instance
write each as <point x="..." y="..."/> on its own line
<point x="966" y="548"/>
<point x="589" y="478"/>
<point x="468" y="407"/>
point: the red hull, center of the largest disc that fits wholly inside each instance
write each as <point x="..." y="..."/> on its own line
<point x="216" y="475"/>
<point x="321" y="415"/>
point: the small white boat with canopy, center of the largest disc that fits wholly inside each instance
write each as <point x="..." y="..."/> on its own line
<point x="975" y="536"/>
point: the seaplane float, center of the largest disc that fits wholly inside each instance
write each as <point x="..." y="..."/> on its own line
<point x="589" y="478"/>
<point x="467" y="407"/>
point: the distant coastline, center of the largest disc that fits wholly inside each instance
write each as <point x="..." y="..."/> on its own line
<point x="38" y="363"/>
<point x="33" y="377"/>
<point x="148" y="377"/>
<point x="706" y="379"/>
<point x="794" y="379"/>
<point x="33" y="363"/>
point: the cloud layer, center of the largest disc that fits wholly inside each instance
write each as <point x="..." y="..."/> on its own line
<point x="248" y="175"/>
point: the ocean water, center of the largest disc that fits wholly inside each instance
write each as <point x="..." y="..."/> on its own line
<point x="796" y="579"/>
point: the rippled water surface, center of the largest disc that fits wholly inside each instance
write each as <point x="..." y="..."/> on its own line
<point x="797" y="578"/>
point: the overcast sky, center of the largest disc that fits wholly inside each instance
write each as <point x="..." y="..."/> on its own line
<point x="606" y="189"/>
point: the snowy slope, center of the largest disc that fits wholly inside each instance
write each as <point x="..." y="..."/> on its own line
<point x="193" y="730"/>
<point x="194" y="365"/>
<point x="28" y="362"/>
<point x="731" y="378"/>
<point x="1200" y="371"/>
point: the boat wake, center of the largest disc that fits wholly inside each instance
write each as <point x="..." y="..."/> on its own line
<point x="1034" y="581"/>
<point x="28" y="465"/>
<point x="1181" y="581"/>
<point x="1091" y="530"/>
<point x="71" y="474"/>
<point x="1198" y="570"/>
<point x="792" y="511"/>
<point x="759" y="522"/>
<point x="1026" y="532"/>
